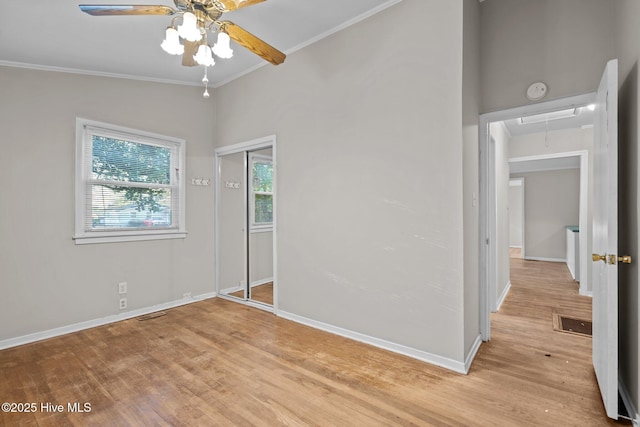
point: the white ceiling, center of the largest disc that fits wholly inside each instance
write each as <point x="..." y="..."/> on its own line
<point x="57" y="35"/>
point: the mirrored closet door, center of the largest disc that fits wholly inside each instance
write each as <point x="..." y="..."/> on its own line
<point x="245" y="222"/>
<point x="231" y="265"/>
<point x="260" y="193"/>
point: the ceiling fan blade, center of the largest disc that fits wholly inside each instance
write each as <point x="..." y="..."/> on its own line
<point x="125" y="9"/>
<point x="190" y="49"/>
<point x="230" y="5"/>
<point x="251" y="42"/>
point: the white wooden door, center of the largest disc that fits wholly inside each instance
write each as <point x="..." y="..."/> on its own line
<point x="605" y="239"/>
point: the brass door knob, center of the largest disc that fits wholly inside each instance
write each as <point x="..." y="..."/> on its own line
<point x="612" y="259"/>
<point x="598" y="257"/>
<point x="625" y="259"/>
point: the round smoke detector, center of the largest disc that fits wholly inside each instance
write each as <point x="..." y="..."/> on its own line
<point x="536" y="91"/>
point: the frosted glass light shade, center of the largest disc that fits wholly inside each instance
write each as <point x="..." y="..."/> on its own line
<point x="203" y="56"/>
<point x="189" y="29"/>
<point x="171" y="43"/>
<point x="222" y="48"/>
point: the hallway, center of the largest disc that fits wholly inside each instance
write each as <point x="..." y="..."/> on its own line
<point x="528" y="357"/>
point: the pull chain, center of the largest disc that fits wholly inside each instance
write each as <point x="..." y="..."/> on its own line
<point x="546" y="132"/>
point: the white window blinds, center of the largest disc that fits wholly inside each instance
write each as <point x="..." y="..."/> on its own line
<point x="128" y="183"/>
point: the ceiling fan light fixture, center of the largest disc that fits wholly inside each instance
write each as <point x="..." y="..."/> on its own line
<point x="171" y="43"/>
<point x="222" y="49"/>
<point x="199" y="19"/>
<point x="189" y="29"/>
<point x="204" y="56"/>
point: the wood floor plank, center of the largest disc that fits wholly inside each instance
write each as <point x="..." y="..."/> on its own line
<point x="218" y="363"/>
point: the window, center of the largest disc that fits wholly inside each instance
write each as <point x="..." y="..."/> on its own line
<point x="261" y="192"/>
<point x="129" y="184"/>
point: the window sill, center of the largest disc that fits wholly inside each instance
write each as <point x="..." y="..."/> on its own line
<point x="128" y="237"/>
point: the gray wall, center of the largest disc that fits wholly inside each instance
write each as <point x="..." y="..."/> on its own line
<point x="552" y="201"/>
<point x="470" y="111"/>
<point x="516" y="193"/>
<point x="564" y="43"/>
<point x="627" y="34"/>
<point x="551" y="143"/>
<point x="369" y="235"/>
<point x="46" y="280"/>
<point x="501" y="141"/>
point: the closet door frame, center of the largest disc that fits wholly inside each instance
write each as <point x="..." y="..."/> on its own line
<point x="246" y="147"/>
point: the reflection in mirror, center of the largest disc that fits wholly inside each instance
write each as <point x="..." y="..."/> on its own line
<point x="232" y="258"/>
<point x="260" y="220"/>
<point x="261" y="266"/>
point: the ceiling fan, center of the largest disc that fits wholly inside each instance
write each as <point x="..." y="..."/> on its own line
<point x="198" y="18"/>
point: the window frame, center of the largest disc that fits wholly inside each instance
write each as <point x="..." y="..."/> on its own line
<point x="83" y="147"/>
<point x="253" y="226"/>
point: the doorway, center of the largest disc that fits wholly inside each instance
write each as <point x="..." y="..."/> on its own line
<point x="494" y="171"/>
<point x="558" y="208"/>
<point x="603" y="276"/>
<point x="246" y="222"/>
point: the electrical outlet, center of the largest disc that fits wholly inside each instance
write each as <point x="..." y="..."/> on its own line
<point x="186" y="295"/>
<point x="123" y="303"/>
<point x="122" y="288"/>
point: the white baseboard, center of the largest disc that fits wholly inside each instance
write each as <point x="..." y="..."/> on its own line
<point x="582" y="290"/>
<point x="63" y="330"/>
<point x="503" y="296"/>
<point x="472" y="353"/>
<point x="536" y="258"/>
<point x="628" y="403"/>
<point x="424" y="356"/>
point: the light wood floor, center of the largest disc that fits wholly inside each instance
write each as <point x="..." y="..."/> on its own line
<point x="221" y="363"/>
